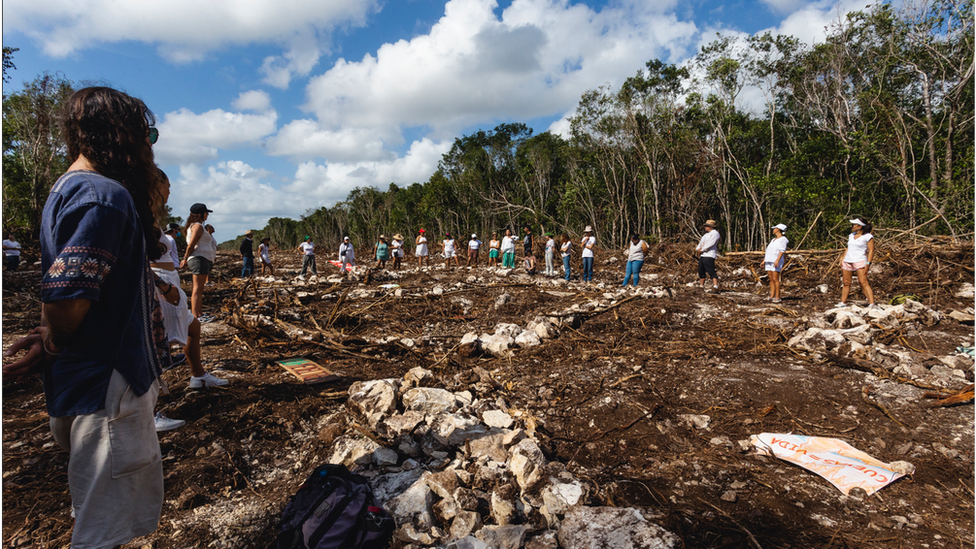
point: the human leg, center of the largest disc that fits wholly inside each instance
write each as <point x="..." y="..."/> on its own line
<point x="566" y="267"/>
<point x="638" y="265"/>
<point x="773" y="284"/>
<point x="845" y="290"/>
<point x="304" y="265"/>
<point x="587" y="269"/>
<point x="628" y="273"/>
<point x="196" y="294"/>
<point x="862" y="277"/>
<point x="192" y="348"/>
<point x="115" y="471"/>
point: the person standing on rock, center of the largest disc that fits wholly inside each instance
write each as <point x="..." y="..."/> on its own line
<point x="494" y="250"/>
<point x="857" y="259"/>
<point x="566" y="250"/>
<point x="11" y="252"/>
<point x="528" y="248"/>
<point x="97" y="343"/>
<point x="307" y="251"/>
<point x="508" y="250"/>
<point x="707" y="251"/>
<point x="264" y="250"/>
<point x="347" y="256"/>
<point x="775" y="259"/>
<point x="381" y="252"/>
<point x="449" y="248"/>
<point x="397" y="246"/>
<point x="200" y="255"/>
<point x="474" y="246"/>
<point x="421" y="251"/>
<point x="247" y="254"/>
<point x="587" y="246"/>
<point x="635" y="259"/>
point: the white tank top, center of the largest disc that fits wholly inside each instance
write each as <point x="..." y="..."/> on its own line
<point x="206" y="246"/>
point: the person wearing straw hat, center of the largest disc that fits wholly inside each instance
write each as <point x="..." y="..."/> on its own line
<point x="381" y="252"/>
<point x="396" y="245"/>
<point x="307" y="249"/>
<point x="347" y="256"/>
<point x="421" y="250"/>
<point x="474" y="246"/>
<point x="587" y="246"/>
<point x="550" y="255"/>
<point x="857" y="259"/>
<point x="247" y="254"/>
<point x="264" y="250"/>
<point x="494" y="250"/>
<point x="707" y="251"/>
<point x="775" y="259"/>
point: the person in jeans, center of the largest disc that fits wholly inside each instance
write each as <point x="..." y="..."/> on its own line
<point x="635" y="259"/>
<point x="307" y="249"/>
<point x="566" y="250"/>
<point x="247" y="254"/>
<point x="97" y="344"/>
<point x="11" y="252"/>
<point x="587" y="246"/>
<point x="707" y="251"/>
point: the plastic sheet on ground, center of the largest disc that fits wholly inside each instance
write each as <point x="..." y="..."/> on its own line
<point x="840" y="463"/>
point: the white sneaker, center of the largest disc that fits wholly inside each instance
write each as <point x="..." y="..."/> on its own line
<point x="840" y="304"/>
<point x="207" y="380"/>
<point x="164" y="423"/>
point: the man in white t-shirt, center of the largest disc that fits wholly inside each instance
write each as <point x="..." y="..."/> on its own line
<point x="347" y="256"/>
<point x="307" y="248"/>
<point x="11" y="252"/>
<point x="707" y="251"/>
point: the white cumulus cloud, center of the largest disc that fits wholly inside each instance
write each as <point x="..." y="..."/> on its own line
<point x="254" y="100"/>
<point x="186" y="137"/>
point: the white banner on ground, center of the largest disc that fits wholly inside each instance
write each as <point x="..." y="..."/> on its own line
<point x="840" y="463"/>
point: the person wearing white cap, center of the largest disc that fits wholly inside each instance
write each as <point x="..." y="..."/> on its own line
<point x="775" y="259"/>
<point x="587" y="246"/>
<point x="474" y="245"/>
<point x="707" y="251"/>
<point x="857" y="259"/>
<point x="347" y="256"/>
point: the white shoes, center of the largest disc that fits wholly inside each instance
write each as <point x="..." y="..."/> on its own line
<point x="207" y="380"/>
<point x="164" y="423"/>
<point x="840" y="304"/>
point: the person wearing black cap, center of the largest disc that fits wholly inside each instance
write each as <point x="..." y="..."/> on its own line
<point x="201" y="252"/>
<point x="247" y="254"/>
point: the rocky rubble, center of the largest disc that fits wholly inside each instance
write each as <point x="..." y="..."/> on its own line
<point x="460" y="470"/>
<point x="857" y="332"/>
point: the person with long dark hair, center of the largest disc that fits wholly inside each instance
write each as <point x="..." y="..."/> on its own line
<point x="200" y="255"/>
<point x="857" y="259"/>
<point x="100" y="344"/>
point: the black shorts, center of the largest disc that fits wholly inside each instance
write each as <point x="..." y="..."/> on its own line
<point x="706" y="265"/>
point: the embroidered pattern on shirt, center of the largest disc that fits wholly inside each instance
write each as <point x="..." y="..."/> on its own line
<point x="86" y="250"/>
<point x="79" y="267"/>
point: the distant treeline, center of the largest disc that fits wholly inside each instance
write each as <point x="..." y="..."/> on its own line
<point x="877" y="121"/>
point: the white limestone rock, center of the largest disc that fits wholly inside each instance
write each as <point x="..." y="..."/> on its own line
<point x="374" y="399"/>
<point x="428" y="400"/>
<point x="620" y="528"/>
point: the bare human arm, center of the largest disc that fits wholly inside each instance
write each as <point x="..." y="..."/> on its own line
<point x="59" y="321"/>
<point x="193" y="234"/>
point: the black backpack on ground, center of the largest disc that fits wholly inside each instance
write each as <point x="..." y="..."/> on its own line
<point x="335" y="509"/>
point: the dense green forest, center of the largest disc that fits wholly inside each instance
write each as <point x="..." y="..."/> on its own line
<point x="875" y="121"/>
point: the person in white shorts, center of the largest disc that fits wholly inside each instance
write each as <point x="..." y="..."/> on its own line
<point x="775" y="259"/>
<point x="449" y="248"/>
<point x="857" y="259"/>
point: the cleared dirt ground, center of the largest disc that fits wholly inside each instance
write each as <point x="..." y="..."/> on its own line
<point x="606" y="398"/>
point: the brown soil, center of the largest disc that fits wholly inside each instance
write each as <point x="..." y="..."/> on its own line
<point x="607" y="398"/>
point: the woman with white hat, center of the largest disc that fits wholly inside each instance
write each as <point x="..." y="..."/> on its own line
<point x="707" y="251"/>
<point x="587" y="246"/>
<point x="397" y="246"/>
<point x="775" y="259"/>
<point x="857" y="259"/>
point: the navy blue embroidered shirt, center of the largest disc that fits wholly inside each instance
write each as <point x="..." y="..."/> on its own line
<point x="92" y="248"/>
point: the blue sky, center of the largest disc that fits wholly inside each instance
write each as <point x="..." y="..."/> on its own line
<point x="275" y="107"/>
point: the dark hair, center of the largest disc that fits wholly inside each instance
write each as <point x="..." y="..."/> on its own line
<point x="867" y="227"/>
<point x="110" y="129"/>
<point x="634" y="235"/>
<point x="190" y="220"/>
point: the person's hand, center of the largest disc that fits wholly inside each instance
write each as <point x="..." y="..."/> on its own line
<point x="182" y="263"/>
<point x="34" y="360"/>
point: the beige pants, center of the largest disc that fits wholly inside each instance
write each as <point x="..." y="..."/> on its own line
<point x="115" y="471"/>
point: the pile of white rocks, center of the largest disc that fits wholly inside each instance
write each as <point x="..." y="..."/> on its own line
<point x="851" y="332"/>
<point x="463" y="472"/>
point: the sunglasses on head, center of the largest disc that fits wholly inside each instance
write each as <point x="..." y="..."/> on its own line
<point x="153" y="135"/>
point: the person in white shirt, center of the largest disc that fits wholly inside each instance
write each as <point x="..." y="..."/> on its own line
<point x="11" y="252"/>
<point x="396" y="245"/>
<point x="775" y="259"/>
<point x="707" y="251"/>
<point x="474" y="246"/>
<point x="421" y="250"/>
<point x="635" y="259"/>
<point x="508" y="250"/>
<point x="449" y="248"/>
<point x="307" y="249"/>
<point x="264" y="251"/>
<point x="857" y="259"/>
<point x="347" y="256"/>
<point x="587" y="246"/>
<point x="550" y="255"/>
<point x="566" y="250"/>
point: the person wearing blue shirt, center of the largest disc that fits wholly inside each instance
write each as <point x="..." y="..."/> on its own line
<point x="99" y="343"/>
